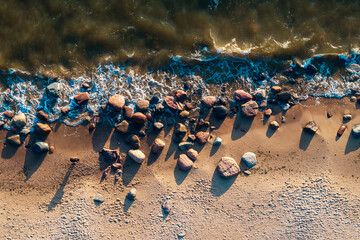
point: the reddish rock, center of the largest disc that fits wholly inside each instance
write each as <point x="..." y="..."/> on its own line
<point x="274" y="125"/>
<point x="117" y="102"/>
<point x="192" y="154"/>
<point x="180" y="95"/>
<point x="276" y="89"/>
<point x="158" y="146"/>
<point x="249" y="109"/>
<point x="228" y="167"/>
<point x="267" y="112"/>
<point x="9" y="113"/>
<point x="128" y="112"/>
<point x="202" y="137"/>
<point x="139" y="118"/>
<point x="184" y="162"/>
<point x="142" y="105"/>
<point x="149" y="117"/>
<point x="241" y="95"/>
<point x="208" y="101"/>
<point x="42" y="116"/>
<point x="173" y="104"/>
<point x="42" y="129"/>
<point x="51" y="149"/>
<point x="341" y="130"/>
<point x="189" y="106"/>
<point x="82" y="98"/>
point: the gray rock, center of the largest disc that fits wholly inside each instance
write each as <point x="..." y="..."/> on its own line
<point x="228" y="167"/>
<point x="249" y="159"/>
<point x="14" y="140"/>
<point x="184" y="162"/>
<point x="137" y="155"/>
<point x="185" y="145"/>
<point x="311" y="127"/>
<point x="40" y="147"/>
<point x="166" y="206"/>
<point x="217" y="141"/>
<point x="192" y="154"/>
<point x="132" y="194"/>
<point x="99" y="198"/>
<point x="54" y="89"/>
<point x="356" y="130"/>
<point x="260" y="94"/>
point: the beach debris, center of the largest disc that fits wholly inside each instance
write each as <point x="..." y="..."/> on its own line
<point x="40" y="147"/>
<point x="184" y="114"/>
<point x="241" y="95"/>
<point x="19" y="120"/>
<point x="109" y="156"/>
<point x="142" y="105"/>
<point x="128" y="112"/>
<point x="82" y="98"/>
<point x="249" y="158"/>
<point x="274" y="125"/>
<point x="347" y="117"/>
<point x="158" y="126"/>
<point x="158" y="145"/>
<point x="42" y="129"/>
<point x="284" y="96"/>
<point x="249" y="109"/>
<point x="341" y="130"/>
<point x="276" y="89"/>
<point x="208" y="101"/>
<point x="180" y="95"/>
<point x="99" y="198"/>
<point x="328" y="114"/>
<point x="311" y="127"/>
<point x="134" y="141"/>
<point x="185" y="145"/>
<point x="202" y="137"/>
<point x="9" y="113"/>
<point x="122" y="127"/>
<point x="14" y="140"/>
<point x="184" y="162"/>
<point x="166" y="206"/>
<point x="132" y="194"/>
<point x="139" y="118"/>
<point x="267" y="112"/>
<point x="173" y="104"/>
<point x="136" y="155"/>
<point x="356" y="130"/>
<point x="74" y="159"/>
<point x="220" y="112"/>
<point x="217" y="141"/>
<point x="192" y="154"/>
<point x="117" y="102"/>
<point x="227" y="167"/>
<point x="54" y="89"/>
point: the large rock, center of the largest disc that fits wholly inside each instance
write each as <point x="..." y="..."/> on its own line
<point x="137" y="155"/>
<point x="173" y="104"/>
<point x="220" y="112"/>
<point x="158" y="145"/>
<point x="14" y="140"/>
<point x="249" y="159"/>
<point x="42" y="129"/>
<point x="241" y="95"/>
<point x="311" y="127"/>
<point x="142" y="105"/>
<point x="122" y="127"/>
<point x="208" y="102"/>
<point x="184" y="162"/>
<point x="284" y="96"/>
<point x="82" y="98"/>
<point x="139" y="118"/>
<point x="202" y="137"/>
<point x="356" y="130"/>
<point x="110" y="156"/>
<point x="228" y="167"/>
<point x="54" y="89"/>
<point x="117" y="102"/>
<point x="128" y="112"/>
<point x="192" y="154"/>
<point x="249" y="109"/>
<point x="19" y="120"/>
<point x="40" y="147"/>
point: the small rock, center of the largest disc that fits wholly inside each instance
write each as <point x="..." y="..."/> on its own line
<point x="249" y="109"/>
<point x="128" y="112"/>
<point x="116" y="166"/>
<point x="42" y="116"/>
<point x="19" y="120"/>
<point x="283" y="120"/>
<point x="136" y="155"/>
<point x="42" y="129"/>
<point x="228" y="167"/>
<point x="74" y="159"/>
<point x="220" y="112"/>
<point x="158" y="145"/>
<point x="180" y="95"/>
<point x="134" y="141"/>
<point x="249" y="159"/>
<point x="166" y="206"/>
<point x="184" y="114"/>
<point x="276" y="89"/>
<point x="353" y="99"/>
<point x="65" y="110"/>
<point x="51" y="149"/>
<point x="310" y="70"/>
<point x="202" y="137"/>
<point x="192" y="154"/>
<point x="92" y="127"/>
<point x="154" y="100"/>
<point x="158" y="125"/>
<point x="185" y="145"/>
<point x="173" y="104"/>
<point x="311" y="127"/>
<point x="341" y="130"/>
<point x="217" y="141"/>
<point x="85" y="85"/>
<point x="99" y="198"/>
<point x="159" y="108"/>
<point x="267" y="112"/>
<point x="259" y="94"/>
<point x="122" y="127"/>
<point x="54" y="89"/>
<point x="142" y="105"/>
<point x="14" y="140"/>
<point x="132" y="194"/>
<point x="40" y="147"/>
<point x="247" y="172"/>
<point x="184" y="162"/>
<point x="191" y="137"/>
<point x="139" y="118"/>
<point x="208" y="102"/>
<point x="9" y="113"/>
<point x="189" y="106"/>
<point x="274" y="125"/>
<point x="356" y="130"/>
<point x="180" y="129"/>
<point x="109" y="156"/>
<point x="117" y="102"/>
<point x="329" y="115"/>
<point x="347" y="117"/>
<point x="241" y="95"/>
<point x="82" y="98"/>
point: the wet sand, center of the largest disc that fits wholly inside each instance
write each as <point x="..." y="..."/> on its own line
<point x="304" y="187"/>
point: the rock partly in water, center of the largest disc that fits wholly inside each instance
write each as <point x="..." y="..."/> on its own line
<point x="274" y="125"/>
<point x="40" y="147"/>
<point x="42" y="129"/>
<point x="42" y="116"/>
<point x="284" y="96"/>
<point x="82" y="98"/>
<point x="260" y="94"/>
<point x="136" y="155"/>
<point x="184" y="162"/>
<point x="19" y="120"/>
<point x="142" y="105"/>
<point x="158" y="125"/>
<point x="311" y="128"/>
<point x="249" y="159"/>
<point x="241" y="95"/>
<point x="249" y="109"/>
<point x="54" y="89"/>
<point x="117" y="102"/>
<point x="228" y="167"/>
<point x="158" y="145"/>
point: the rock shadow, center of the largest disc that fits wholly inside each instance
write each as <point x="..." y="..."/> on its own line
<point x="241" y="127"/>
<point x="352" y="144"/>
<point x="8" y="151"/>
<point x="32" y="162"/>
<point x="214" y="149"/>
<point x="270" y="131"/>
<point x="127" y="204"/>
<point x="215" y="122"/>
<point x="180" y="175"/>
<point x="152" y="158"/>
<point x="129" y="170"/>
<point x="60" y="192"/>
<point x="101" y="135"/>
<point x="305" y="140"/>
<point x="220" y="185"/>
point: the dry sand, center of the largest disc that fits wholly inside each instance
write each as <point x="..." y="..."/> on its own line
<point x="302" y="188"/>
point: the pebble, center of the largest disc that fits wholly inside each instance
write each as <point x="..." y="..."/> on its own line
<point x="276" y="89"/>
<point x="167" y="206"/>
<point x="109" y="155"/>
<point x="192" y="154"/>
<point x="173" y="104"/>
<point x="142" y="105"/>
<point x="132" y="194"/>
<point x="9" y="113"/>
<point x="158" y="145"/>
<point x="74" y="159"/>
<point x="217" y="141"/>
<point x="51" y="149"/>
<point x="356" y="131"/>
<point x="180" y="129"/>
<point x="42" y="116"/>
<point x="128" y="112"/>
<point x="122" y="127"/>
<point x="249" y="159"/>
<point x="347" y="117"/>
<point x="283" y="119"/>
<point x="274" y="125"/>
<point x="139" y="118"/>
<point x="180" y="95"/>
<point x="99" y="198"/>
<point x="329" y="115"/>
<point x="136" y="155"/>
<point x="117" y="102"/>
<point x="341" y="130"/>
<point x="158" y="125"/>
<point x="19" y="120"/>
<point x="184" y="162"/>
<point x="184" y="114"/>
<point x="134" y="141"/>
<point x="284" y="96"/>
<point x="247" y="172"/>
<point x="259" y="94"/>
<point x="267" y="112"/>
<point x="227" y="167"/>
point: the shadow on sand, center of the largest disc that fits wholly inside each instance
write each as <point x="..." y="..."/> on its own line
<point x="219" y="185"/>
<point x="32" y="162"/>
<point x="352" y="144"/>
<point x="241" y="127"/>
<point x="305" y="140"/>
<point x="180" y="175"/>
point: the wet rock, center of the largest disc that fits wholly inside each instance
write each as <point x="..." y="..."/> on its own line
<point x="217" y="141"/>
<point x="99" y="198"/>
<point x="166" y="206"/>
<point x="159" y="108"/>
<point x="132" y="194"/>
<point x="82" y="98"/>
<point x="220" y="112"/>
<point x="134" y="141"/>
<point x="228" y="167"/>
<point x="284" y="96"/>
<point x="341" y="130"/>
<point x="184" y="114"/>
<point x="310" y="70"/>
<point x="14" y="140"/>
<point x="267" y="112"/>
<point x="54" y="89"/>
<point x="347" y="117"/>
<point x="180" y="129"/>
<point x="109" y="156"/>
<point x="122" y="127"/>
<point x="184" y="162"/>
<point x="19" y="120"/>
<point x="136" y="155"/>
<point x="192" y="154"/>
<point x="274" y="125"/>
<point x="149" y="117"/>
<point x="241" y="95"/>
<point x="276" y="89"/>
<point x="42" y="116"/>
<point x="40" y="147"/>
<point x="353" y="99"/>
<point x="158" y="125"/>
<point x="173" y="104"/>
<point x="142" y="105"/>
<point x="180" y="95"/>
<point x="117" y="102"/>
<point x="208" y="102"/>
<point x="128" y="112"/>
<point x="189" y="106"/>
<point x="9" y="113"/>
<point x="139" y="118"/>
<point x="263" y="104"/>
<point x="65" y="110"/>
<point x="185" y="145"/>
<point x="356" y="131"/>
<point x="202" y="137"/>
<point x="158" y="145"/>
<point x="311" y="128"/>
<point x="283" y="120"/>
<point x="42" y="129"/>
<point x="260" y="94"/>
<point x="154" y="100"/>
<point x="249" y="159"/>
<point x="92" y="127"/>
<point x="85" y="86"/>
<point x="249" y="109"/>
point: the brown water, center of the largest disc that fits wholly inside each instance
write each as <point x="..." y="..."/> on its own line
<point x="66" y="36"/>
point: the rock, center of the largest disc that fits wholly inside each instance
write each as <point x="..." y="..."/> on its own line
<point x="82" y="98"/>
<point x="329" y="115"/>
<point x="132" y="194"/>
<point x="283" y="120"/>
<point x="259" y="94"/>
<point x="142" y="105"/>
<point x="267" y="112"/>
<point x="208" y="102"/>
<point x="310" y="70"/>
<point x="85" y="85"/>
<point x="159" y="108"/>
<point x="154" y="100"/>
<point x="42" y="116"/>
<point x="185" y="145"/>
<point x="24" y="132"/>
<point x="19" y="120"/>
<point x="173" y="104"/>
<point x="353" y="99"/>
<point x="228" y="167"/>
<point x="180" y="95"/>
<point x="356" y="130"/>
<point x="249" y="159"/>
<point x="192" y="154"/>
<point x="347" y="117"/>
<point x="189" y="106"/>
<point x="65" y="110"/>
<point x="184" y="114"/>
<point x="134" y="141"/>
<point x="276" y="89"/>
<point x="54" y="89"/>
<point x="9" y="113"/>
<point x="136" y="155"/>
<point x="14" y="140"/>
<point x="166" y="206"/>
<point x="92" y="127"/>
<point x="311" y="128"/>
<point x="99" y="198"/>
<point x="128" y="112"/>
<point x="74" y="159"/>
<point x="184" y="162"/>
<point x="217" y="141"/>
<point x="341" y="130"/>
<point x="117" y="102"/>
<point x="149" y="117"/>
<point x="122" y="127"/>
<point x="139" y="118"/>
<point x="158" y="145"/>
<point x="263" y="104"/>
<point x="86" y="121"/>
<point x="247" y="172"/>
<point x="241" y="95"/>
<point x="191" y="137"/>
<point x="180" y="129"/>
<point x="353" y="68"/>
<point x="202" y="137"/>
<point x="249" y="109"/>
<point x="284" y="96"/>
<point x="40" y="147"/>
<point x="109" y="156"/>
<point x="274" y="125"/>
<point x="158" y="125"/>
<point x="42" y="129"/>
<point x="220" y="112"/>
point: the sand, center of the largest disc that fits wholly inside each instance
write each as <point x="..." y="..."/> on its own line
<point x="304" y="187"/>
